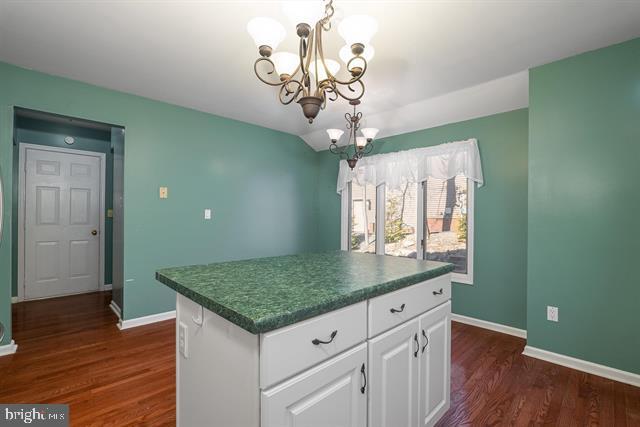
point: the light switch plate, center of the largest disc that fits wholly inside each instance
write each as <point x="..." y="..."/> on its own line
<point x="164" y="192"/>
<point x="552" y="313"/>
<point x="109" y="213"/>
<point x="207" y="214"/>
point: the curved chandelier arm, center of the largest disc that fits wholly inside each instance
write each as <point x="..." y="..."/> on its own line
<point x="367" y="148"/>
<point x="330" y="75"/>
<point x="333" y="148"/>
<point x="273" y="71"/>
<point x="286" y="97"/>
<point x="360" y="94"/>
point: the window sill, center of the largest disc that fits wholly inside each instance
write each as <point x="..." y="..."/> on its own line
<point x="463" y="279"/>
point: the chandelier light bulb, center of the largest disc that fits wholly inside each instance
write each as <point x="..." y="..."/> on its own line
<point x="335" y="134"/>
<point x="285" y="62"/>
<point x="266" y="32"/>
<point x="369" y="133"/>
<point x="358" y="29"/>
<point x="361" y="141"/>
<point x="303" y="11"/>
<point x="333" y="66"/>
<point x="346" y="55"/>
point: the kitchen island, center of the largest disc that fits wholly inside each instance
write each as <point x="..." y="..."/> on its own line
<point x="325" y="339"/>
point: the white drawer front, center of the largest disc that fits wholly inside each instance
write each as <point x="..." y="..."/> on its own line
<point x="387" y="311"/>
<point x="291" y="349"/>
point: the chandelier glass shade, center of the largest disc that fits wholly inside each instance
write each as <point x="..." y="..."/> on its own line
<point x="308" y="77"/>
<point x="362" y="144"/>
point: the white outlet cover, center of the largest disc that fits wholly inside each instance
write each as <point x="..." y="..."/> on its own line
<point x="552" y="313"/>
<point x="207" y="214"/>
<point x="183" y="333"/>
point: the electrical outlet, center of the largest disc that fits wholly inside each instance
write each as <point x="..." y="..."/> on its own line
<point x="552" y="313"/>
<point x="183" y="333"/>
<point x="207" y="214"/>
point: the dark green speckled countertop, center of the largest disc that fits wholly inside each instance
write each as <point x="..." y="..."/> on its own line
<point x="264" y="294"/>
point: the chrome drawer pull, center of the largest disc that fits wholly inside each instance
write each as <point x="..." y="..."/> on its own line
<point x="316" y="341"/>
<point x="438" y="292"/>
<point x="395" y="310"/>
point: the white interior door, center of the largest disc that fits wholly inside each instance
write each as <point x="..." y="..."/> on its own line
<point x="435" y="360"/>
<point x="62" y="205"/>
<point x="393" y="367"/>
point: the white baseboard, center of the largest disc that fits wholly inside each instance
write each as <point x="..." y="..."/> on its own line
<point x="145" y="320"/>
<point x="583" y="365"/>
<point x="116" y="310"/>
<point x="510" y="330"/>
<point x="14" y="300"/>
<point x="107" y="287"/>
<point x="8" y="349"/>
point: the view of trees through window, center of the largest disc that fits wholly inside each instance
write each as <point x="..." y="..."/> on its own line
<point x="363" y="218"/>
<point x="445" y="214"/>
<point x="400" y="221"/>
<point x="445" y="207"/>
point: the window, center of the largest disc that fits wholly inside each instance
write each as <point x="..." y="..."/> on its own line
<point x="401" y="221"/>
<point x="432" y="220"/>
<point x="447" y="221"/>
<point x="363" y="218"/>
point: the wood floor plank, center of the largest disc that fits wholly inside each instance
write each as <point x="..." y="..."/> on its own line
<point x="70" y="351"/>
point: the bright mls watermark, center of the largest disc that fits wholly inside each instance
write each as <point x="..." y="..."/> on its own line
<point x="34" y="415"/>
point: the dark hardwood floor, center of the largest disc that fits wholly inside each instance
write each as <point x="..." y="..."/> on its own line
<point x="70" y="351"/>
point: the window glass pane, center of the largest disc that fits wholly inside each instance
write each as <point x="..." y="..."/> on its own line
<point x="400" y="221"/>
<point x="446" y="221"/>
<point x="363" y="218"/>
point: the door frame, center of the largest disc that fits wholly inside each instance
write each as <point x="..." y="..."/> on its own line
<point x="22" y="171"/>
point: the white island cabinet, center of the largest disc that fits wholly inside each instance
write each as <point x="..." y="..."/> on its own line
<point x="381" y="362"/>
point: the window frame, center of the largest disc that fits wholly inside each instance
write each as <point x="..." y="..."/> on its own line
<point x="345" y="226"/>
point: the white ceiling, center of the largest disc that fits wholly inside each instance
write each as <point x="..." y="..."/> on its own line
<point x="436" y="62"/>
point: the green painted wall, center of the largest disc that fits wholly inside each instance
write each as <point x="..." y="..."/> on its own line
<point x="583" y="206"/>
<point x="260" y="183"/>
<point x="499" y="290"/>
<point x="39" y="132"/>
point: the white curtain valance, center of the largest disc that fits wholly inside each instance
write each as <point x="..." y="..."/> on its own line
<point x="442" y="161"/>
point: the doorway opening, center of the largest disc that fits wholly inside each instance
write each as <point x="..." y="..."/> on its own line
<point x="68" y="207"/>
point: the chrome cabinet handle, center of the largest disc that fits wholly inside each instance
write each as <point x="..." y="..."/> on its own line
<point x="364" y="375"/>
<point x="438" y="292"/>
<point x="316" y="341"/>
<point x="396" y="310"/>
<point x="415" y="338"/>
<point x="427" y="343"/>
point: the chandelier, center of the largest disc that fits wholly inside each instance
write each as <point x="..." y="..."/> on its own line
<point x="308" y="77"/>
<point x="361" y="144"/>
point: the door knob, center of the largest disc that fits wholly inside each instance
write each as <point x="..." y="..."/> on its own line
<point x="94" y="232"/>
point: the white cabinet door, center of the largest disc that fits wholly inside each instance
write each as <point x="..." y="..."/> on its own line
<point x="393" y="368"/>
<point x="331" y="394"/>
<point x="435" y="362"/>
